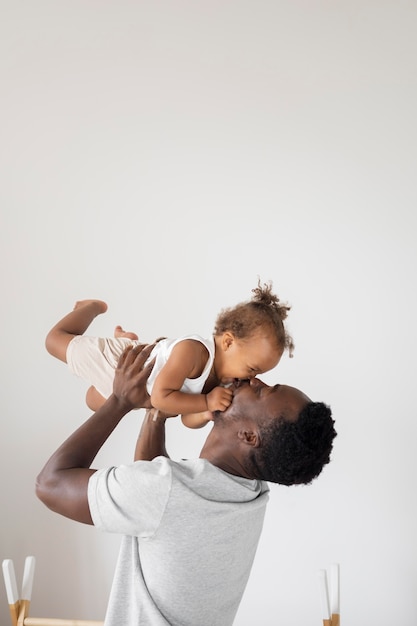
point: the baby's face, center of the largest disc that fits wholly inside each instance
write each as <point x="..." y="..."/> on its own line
<point x="247" y="358"/>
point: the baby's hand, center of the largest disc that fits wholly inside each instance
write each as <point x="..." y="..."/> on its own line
<point x="219" y="399"/>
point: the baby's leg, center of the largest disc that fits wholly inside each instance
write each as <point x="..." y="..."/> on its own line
<point x="197" y="420"/>
<point x="75" y="323"/>
<point x="94" y="399"/>
<point x="119" y="332"/>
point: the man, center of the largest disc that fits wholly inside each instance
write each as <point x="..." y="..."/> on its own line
<point x="190" y="528"/>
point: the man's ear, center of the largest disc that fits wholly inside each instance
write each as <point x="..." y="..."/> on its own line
<point x="249" y="437"/>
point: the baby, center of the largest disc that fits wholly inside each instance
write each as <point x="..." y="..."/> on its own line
<point x="191" y="374"/>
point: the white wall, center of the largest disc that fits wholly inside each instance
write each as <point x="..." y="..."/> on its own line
<point x="161" y="156"/>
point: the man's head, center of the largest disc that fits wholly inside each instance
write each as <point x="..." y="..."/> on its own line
<point x="276" y="433"/>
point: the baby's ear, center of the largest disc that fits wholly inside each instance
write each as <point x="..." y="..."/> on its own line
<point x="249" y="437"/>
<point x="227" y="340"/>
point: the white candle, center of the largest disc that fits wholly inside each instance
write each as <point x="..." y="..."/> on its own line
<point x="335" y="588"/>
<point x="324" y="594"/>
<point x="28" y="575"/>
<point x="10" y="581"/>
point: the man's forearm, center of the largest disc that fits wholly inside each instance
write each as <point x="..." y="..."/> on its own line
<point x="151" y="440"/>
<point x="62" y="485"/>
<point x="63" y="482"/>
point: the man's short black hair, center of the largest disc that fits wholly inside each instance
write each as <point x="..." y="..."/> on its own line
<point x="295" y="452"/>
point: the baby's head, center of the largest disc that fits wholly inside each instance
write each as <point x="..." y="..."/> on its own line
<point x="251" y="337"/>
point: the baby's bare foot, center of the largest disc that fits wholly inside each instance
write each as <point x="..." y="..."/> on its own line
<point x="119" y="332"/>
<point x="98" y="305"/>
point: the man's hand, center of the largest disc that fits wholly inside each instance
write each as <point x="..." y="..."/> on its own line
<point x="219" y="399"/>
<point x="130" y="378"/>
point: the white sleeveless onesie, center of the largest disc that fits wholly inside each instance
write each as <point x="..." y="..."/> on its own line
<point x="95" y="359"/>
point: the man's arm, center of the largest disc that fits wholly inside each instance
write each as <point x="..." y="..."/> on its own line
<point x="63" y="483"/>
<point x="151" y="440"/>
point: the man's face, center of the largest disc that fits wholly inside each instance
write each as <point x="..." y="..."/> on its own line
<point x="255" y="400"/>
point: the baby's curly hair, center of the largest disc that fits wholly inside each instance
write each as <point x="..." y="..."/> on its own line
<point x="264" y="310"/>
<point x="295" y="452"/>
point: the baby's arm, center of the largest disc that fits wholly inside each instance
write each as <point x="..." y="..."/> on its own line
<point x="187" y="360"/>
